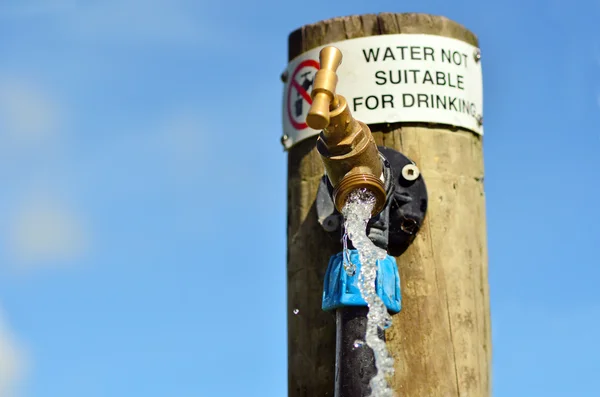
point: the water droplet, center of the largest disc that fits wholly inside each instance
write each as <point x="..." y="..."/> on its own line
<point x="387" y="322"/>
<point x="350" y="269"/>
<point x="296" y="311"/>
<point x="358" y="343"/>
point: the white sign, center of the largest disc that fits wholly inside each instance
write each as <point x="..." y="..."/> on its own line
<point x="393" y="78"/>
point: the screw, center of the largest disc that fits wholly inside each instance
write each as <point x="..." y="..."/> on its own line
<point x="284" y="76"/>
<point x="410" y="172"/>
<point x="477" y="55"/>
<point x="284" y="139"/>
<point x="409" y="226"/>
<point x="480" y="120"/>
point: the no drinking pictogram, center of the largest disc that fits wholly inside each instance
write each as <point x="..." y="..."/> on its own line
<point x="301" y="81"/>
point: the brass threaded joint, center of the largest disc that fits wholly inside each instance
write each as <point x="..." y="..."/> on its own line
<point x="352" y="182"/>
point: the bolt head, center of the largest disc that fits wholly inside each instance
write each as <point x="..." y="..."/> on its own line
<point x="284" y="76"/>
<point x="410" y="172"/>
<point x="284" y="139"/>
<point x="409" y="226"/>
<point x="477" y="55"/>
<point x="331" y="223"/>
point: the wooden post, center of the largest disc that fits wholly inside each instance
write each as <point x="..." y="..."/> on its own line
<point x="441" y="339"/>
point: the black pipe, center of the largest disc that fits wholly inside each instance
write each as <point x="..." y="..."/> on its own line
<point x="354" y="361"/>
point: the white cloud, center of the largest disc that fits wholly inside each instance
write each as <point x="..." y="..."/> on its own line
<point x="28" y="115"/>
<point x="46" y="232"/>
<point x="32" y="136"/>
<point x="12" y="361"/>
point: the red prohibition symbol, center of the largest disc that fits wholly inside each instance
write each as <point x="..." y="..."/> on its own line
<point x="302" y="91"/>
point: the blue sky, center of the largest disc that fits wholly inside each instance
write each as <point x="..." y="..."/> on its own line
<point x="141" y="254"/>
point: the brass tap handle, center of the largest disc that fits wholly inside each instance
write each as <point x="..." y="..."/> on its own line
<point x="323" y="92"/>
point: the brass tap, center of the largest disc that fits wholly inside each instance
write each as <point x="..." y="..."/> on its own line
<point x="346" y="145"/>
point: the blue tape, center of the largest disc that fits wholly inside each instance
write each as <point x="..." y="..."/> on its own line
<point x="342" y="290"/>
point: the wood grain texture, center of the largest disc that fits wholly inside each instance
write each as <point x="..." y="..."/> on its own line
<point x="441" y="340"/>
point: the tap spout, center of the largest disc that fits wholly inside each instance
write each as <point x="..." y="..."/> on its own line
<point x="346" y="145"/>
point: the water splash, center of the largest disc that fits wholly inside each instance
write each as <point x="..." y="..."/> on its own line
<point x="357" y="213"/>
<point x="349" y="267"/>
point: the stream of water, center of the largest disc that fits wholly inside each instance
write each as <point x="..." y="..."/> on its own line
<point x="357" y="213"/>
